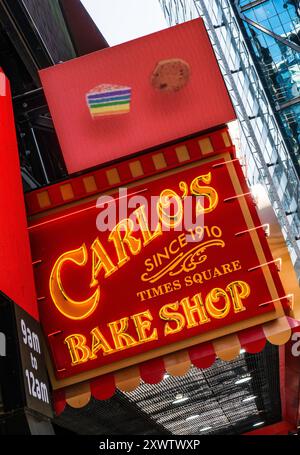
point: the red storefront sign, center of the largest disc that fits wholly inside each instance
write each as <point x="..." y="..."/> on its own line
<point x="191" y="97"/>
<point x="114" y="299"/>
<point x="16" y="274"/>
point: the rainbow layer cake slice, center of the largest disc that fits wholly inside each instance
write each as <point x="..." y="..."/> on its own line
<point x="107" y="99"/>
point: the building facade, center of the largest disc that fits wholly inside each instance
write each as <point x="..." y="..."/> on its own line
<point x="227" y="397"/>
<point x="272" y="30"/>
<point x="257" y="46"/>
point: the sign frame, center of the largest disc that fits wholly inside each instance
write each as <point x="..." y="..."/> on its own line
<point x="240" y="188"/>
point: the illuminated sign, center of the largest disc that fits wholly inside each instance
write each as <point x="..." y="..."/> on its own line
<point x="153" y="283"/>
<point x="176" y="91"/>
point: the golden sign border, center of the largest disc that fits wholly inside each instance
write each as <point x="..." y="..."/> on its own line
<point x="209" y="336"/>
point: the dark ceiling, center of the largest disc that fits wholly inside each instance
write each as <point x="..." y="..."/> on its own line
<point x="214" y="402"/>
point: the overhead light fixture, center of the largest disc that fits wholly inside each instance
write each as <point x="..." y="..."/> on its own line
<point x="180" y="398"/>
<point x="242" y="351"/>
<point x="258" y="424"/>
<point x="249" y="399"/>
<point x="206" y="429"/>
<point x="192" y="417"/>
<point x="242" y="380"/>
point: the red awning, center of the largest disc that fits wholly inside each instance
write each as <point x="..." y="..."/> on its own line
<point x="226" y="348"/>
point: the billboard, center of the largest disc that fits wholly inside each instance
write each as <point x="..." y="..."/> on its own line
<point x="123" y="280"/>
<point x="135" y="96"/>
<point x="16" y="273"/>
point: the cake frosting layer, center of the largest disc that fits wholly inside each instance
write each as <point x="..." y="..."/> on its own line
<point x="110" y="108"/>
<point x="108" y="99"/>
<point x="117" y="103"/>
<point x="93" y="95"/>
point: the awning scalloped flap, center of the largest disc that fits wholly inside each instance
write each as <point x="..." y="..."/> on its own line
<point x="202" y="356"/>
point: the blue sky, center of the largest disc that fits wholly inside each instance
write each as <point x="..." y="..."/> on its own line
<point x="123" y="20"/>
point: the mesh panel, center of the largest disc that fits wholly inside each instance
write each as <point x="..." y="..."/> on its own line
<point x="213" y="396"/>
<point x="114" y="416"/>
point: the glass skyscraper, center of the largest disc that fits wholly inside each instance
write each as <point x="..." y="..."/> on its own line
<point x="273" y="34"/>
<point x="257" y="44"/>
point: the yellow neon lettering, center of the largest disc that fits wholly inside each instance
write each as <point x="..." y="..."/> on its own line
<point x="148" y="236"/>
<point x="78" y="349"/>
<point x="121" y="339"/>
<point x="191" y="309"/>
<point x="208" y="191"/>
<point x="99" y="342"/>
<point x="169" y="313"/>
<point x="238" y="290"/>
<point x="142" y="326"/>
<point x="70" y="308"/>
<point x="213" y="297"/>
<point x="121" y="235"/>
<point x="100" y="260"/>
<point x="163" y="206"/>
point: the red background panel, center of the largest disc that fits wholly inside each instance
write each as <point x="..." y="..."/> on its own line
<point x="119" y="291"/>
<point x="155" y="118"/>
<point x="16" y="274"/>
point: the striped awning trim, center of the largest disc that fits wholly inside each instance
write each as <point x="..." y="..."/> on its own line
<point x="226" y="348"/>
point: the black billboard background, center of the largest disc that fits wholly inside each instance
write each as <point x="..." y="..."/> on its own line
<point x="17" y="374"/>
